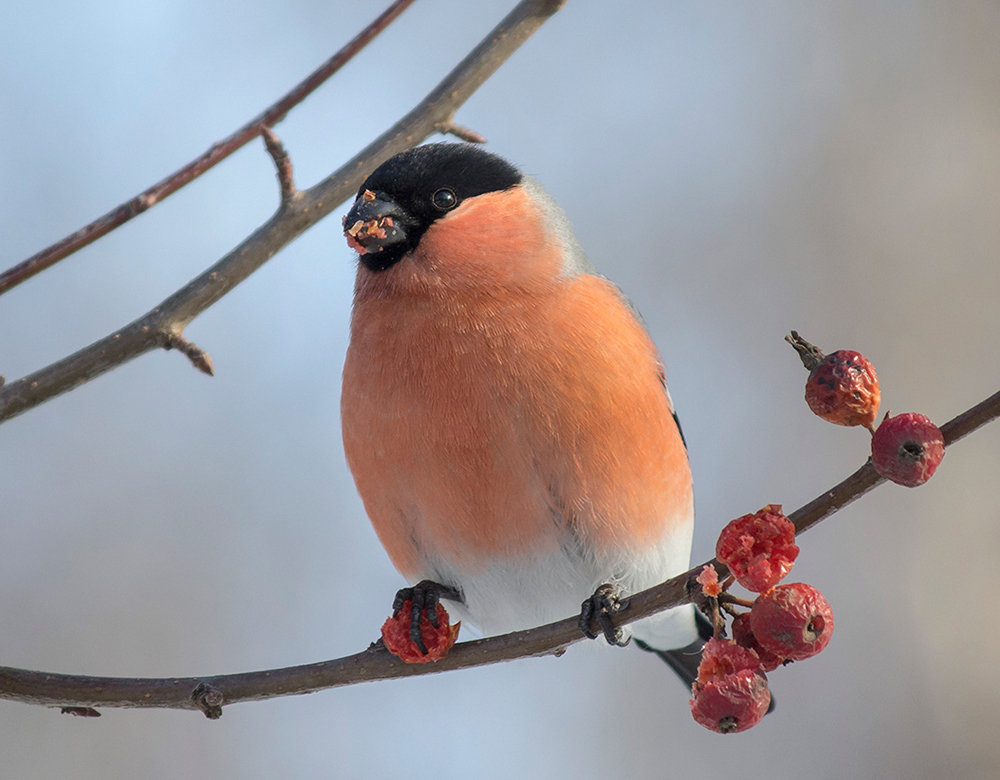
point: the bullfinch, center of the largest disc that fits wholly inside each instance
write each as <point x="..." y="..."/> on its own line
<point x="505" y="413"/>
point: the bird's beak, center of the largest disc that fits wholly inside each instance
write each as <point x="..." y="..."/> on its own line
<point x="374" y="224"/>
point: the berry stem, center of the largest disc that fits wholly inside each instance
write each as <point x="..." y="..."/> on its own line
<point x="730" y="610"/>
<point x="710" y="608"/>
<point x="728" y="598"/>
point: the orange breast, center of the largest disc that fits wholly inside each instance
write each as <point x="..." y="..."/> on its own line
<point x="504" y="409"/>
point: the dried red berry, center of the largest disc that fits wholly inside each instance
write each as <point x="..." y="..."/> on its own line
<point x="732" y="705"/>
<point x="759" y="548"/>
<point x="743" y="636"/>
<point x="438" y="640"/>
<point x="792" y="621"/>
<point x="842" y="387"/>
<point x="907" y="449"/>
<point x="723" y="657"/>
<point x="731" y="692"/>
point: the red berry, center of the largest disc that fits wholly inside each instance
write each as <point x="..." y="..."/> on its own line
<point x="731" y="692"/>
<point x="792" y="621"/>
<point x="759" y="548"/>
<point x="907" y="448"/>
<point x="842" y="387"/>
<point x="723" y="657"/>
<point x="743" y="636"/>
<point x="732" y="705"/>
<point x="438" y="641"/>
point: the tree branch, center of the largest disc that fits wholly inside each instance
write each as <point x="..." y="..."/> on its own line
<point x="295" y="214"/>
<point x="215" y="154"/>
<point x="208" y="694"/>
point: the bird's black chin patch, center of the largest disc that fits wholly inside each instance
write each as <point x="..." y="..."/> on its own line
<point x="382" y="259"/>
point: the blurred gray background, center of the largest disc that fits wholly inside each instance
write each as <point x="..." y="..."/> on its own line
<point x="740" y="169"/>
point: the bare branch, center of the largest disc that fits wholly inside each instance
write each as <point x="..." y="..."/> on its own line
<point x="215" y="154"/>
<point x="209" y="694"/>
<point x="292" y="218"/>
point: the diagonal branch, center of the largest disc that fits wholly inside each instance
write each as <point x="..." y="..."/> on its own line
<point x="215" y="154"/>
<point x="210" y="693"/>
<point x="295" y="214"/>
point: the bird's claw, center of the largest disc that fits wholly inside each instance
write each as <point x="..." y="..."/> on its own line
<point x="423" y="598"/>
<point x="605" y="602"/>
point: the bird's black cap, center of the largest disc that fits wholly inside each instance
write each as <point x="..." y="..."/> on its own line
<point x="415" y="188"/>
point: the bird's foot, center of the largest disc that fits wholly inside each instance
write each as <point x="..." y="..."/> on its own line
<point x="423" y="598"/>
<point x="605" y="602"/>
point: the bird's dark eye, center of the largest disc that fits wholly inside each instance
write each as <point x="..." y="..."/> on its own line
<point x="444" y="199"/>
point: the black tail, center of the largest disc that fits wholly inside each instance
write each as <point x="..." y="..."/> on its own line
<point x="684" y="661"/>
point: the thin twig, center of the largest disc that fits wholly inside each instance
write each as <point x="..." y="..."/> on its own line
<point x="199" y="358"/>
<point x="461" y="132"/>
<point x="215" y="154"/>
<point x="292" y="218"/>
<point x="282" y="163"/>
<point x="210" y="693"/>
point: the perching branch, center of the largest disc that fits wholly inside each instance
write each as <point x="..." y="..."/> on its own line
<point x="80" y="693"/>
<point x="164" y="325"/>
<point x="215" y="154"/>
